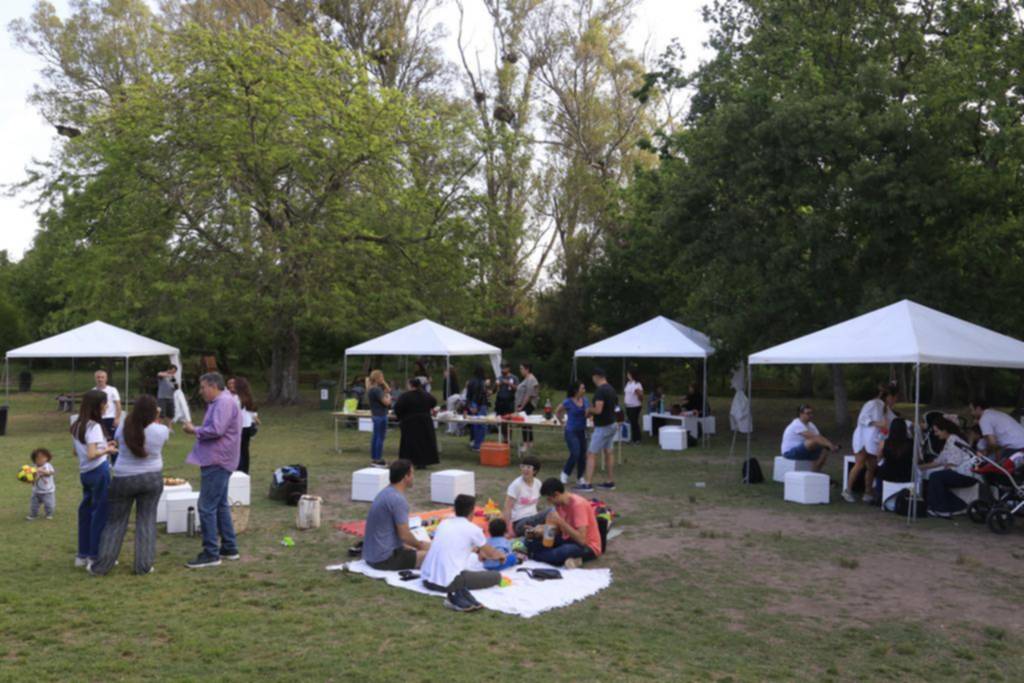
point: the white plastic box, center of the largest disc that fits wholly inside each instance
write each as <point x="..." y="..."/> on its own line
<point x="848" y="462"/>
<point x="365" y="424"/>
<point x="239" y="489"/>
<point x="783" y="466"/>
<point x="178" y="505"/>
<point x="368" y="482"/>
<point x="708" y="424"/>
<point x="161" y="506"/>
<point x="807" y="488"/>
<point x="447" y="484"/>
<point x="648" y="424"/>
<point x="672" y="438"/>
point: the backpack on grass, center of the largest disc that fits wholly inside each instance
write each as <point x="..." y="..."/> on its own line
<point x="289" y="484"/>
<point x="752" y="472"/>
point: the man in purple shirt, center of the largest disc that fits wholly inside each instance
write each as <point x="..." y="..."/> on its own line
<point x="217" y="449"/>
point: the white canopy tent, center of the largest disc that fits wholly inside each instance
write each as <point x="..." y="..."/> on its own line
<point x="423" y="338"/>
<point x="94" y="340"/>
<point x="659" y="337"/>
<point x="903" y="332"/>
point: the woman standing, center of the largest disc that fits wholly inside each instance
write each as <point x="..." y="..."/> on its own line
<point x="139" y="480"/>
<point x="951" y="470"/>
<point x="476" y="405"/>
<point x="378" y="395"/>
<point x="634" y="400"/>
<point x="250" y="419"/>
<point x="92" y="448"/>
<point x="419" y="441"/>
<point x="574" y="410"/>
<point x="872" y="423"/>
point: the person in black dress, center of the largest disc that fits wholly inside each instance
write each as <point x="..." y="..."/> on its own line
<point x="419" y="440"/>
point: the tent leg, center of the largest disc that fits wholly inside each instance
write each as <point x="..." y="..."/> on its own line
<point x="750" y="397"/>
<point x="915" y="473"/>
<point x="704" y="408"/>
<point x="7" y="381"/>
<point x="124" y="402"/>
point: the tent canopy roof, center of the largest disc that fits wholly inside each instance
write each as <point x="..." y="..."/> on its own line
<point x="94" y="340"/>
<point x="424" y="338"/>
<point x="903" y="332"/>
<point x="659" y="337"/>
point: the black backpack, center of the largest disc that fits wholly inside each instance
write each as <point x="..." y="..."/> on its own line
<point x="900" y="504"/>
<point x="752" y="472"/>
<point x="289" y="484"/>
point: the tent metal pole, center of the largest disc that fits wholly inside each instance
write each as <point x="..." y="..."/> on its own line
<point x="7" y="380"/>
<point x="915" y="473"/>
<point x="344" y="379"/>
<point x="704" y="408"/>
<point x="750" y="398"/>
<point x="573" y="378"/>
<point x="124" y="401"/>
<point x="447" y="378"/>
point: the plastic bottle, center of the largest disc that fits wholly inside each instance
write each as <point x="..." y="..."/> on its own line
<point x="549" y="535"/>
<point x="191" y="522"/>
<point x="547" y="409"/>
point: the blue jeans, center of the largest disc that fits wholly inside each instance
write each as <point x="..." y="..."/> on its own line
<point x="380" y="429"/>
<point x="92" y="512"/>
<point x="215" y="513"/>
<point x="478" y="431"/>
<point x="576" y="440"/>
<point x="557" y="555"/>
<point x="801" y="452"/>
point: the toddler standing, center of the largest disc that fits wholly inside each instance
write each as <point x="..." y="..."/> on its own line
<point x="44" y="489"/>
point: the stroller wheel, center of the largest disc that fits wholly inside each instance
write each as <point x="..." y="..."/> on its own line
<point x="978" y="511"/>
<point x="1000" y="520"/>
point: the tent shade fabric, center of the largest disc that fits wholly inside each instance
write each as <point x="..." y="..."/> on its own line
<point x="94" y="340"/>
<point x="427" y="338"/>
<point x="904" y="332"/>
<point x="657" y="338"/>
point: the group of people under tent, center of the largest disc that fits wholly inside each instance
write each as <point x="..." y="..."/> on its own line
<point x="883" y="446"/>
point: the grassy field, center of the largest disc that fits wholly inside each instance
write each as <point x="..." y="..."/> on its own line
<point x="719" y="582"/>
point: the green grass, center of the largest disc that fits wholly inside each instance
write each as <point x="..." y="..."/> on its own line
<point x="708" y="582"/>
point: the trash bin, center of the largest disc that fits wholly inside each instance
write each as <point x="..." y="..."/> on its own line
<point x="3" y="420"/>
<point x="326" y="388"/>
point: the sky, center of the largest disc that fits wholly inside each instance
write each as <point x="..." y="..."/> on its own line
<point x="25" y="136"/>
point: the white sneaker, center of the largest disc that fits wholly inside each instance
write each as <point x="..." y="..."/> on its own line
<point x="581" y="481"/>
<point x="573" y="563"/>
<point x="868" y="498"/>
<point x="81" y="561"/>
<point x="562" y="476"/>
<point x="848" y="497"/>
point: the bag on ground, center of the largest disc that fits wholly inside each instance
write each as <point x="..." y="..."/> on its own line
<point x="752" y="471"/>
<point x="289" y="484"/>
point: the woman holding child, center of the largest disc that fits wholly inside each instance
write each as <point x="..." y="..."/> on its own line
<point x="139" y="480"/>
<point x="92" y="448"/>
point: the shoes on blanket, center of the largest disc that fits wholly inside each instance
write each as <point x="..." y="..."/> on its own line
<point x="462" y="601"/>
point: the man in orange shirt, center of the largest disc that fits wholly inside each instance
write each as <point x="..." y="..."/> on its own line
<point x="579" y="539"/>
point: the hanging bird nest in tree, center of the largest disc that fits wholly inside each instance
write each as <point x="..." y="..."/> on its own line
<point x="504" y="114"/>
<point x="479" y="96"/>
<point x="511" y="56"/>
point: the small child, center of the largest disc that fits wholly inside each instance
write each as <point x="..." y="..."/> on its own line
<point x="44" y="489"/>
<point x="497" y="529"/>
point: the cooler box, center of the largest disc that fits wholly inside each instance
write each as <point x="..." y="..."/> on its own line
<point x="239" y="490"/>
<point x="672" y="438"/>
<point x="447" y="484"/>
<point x="784" y="465"/>
<point x="161" y="506"/>
<point x="368" y="482"/>
<point x="494" y="454"/>
<point x="178" y="505"/>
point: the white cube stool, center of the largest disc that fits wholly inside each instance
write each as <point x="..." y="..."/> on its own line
<point x="848" y="462"/>
<point x="368" y="482"/>
<point x="967" y="494"/>
<point x="707" y="425"/>
<point x="447" y="484"/>
<point x="178" y="505"/>
<point x="239" y="489"/>
<point x="782" y="466"/>
<point x="647" y="425"/>
<point x="161" y="506"/>
<point x="891" y="488"/>
<point x="365" y="424"/>
<point x="672" y="439"/>
<point x="807" y="488"/>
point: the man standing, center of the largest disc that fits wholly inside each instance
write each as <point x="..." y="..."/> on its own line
<point x="527" y="397"/>
<point x="579" y="538"/>
<point x="166" y="383"/>
<point x="112" y="413"/>
<point x="603" y="410"/>
<point x="388" y="544"/>
<point x="217" y="450"/>
<point x="1002" y="433"/>
<point x="505" y="398"/>
<point x="802" y="441"/>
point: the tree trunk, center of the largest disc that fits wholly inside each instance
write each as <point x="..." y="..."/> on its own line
<point x="807" y="381"/>
<point x="284" y="369"/>
<point x="842" y="404"/>
<point x="942" y="386"/>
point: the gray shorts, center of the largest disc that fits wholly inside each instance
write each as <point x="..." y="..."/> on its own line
<point x="602" y="437"/>
<point x="166" y="407"/>
<point x="402" y="558"/>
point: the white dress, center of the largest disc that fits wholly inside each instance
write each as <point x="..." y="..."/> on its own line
<point x="866" y="436"/>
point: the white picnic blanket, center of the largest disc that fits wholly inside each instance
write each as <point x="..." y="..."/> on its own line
<point x="526" y="597"/>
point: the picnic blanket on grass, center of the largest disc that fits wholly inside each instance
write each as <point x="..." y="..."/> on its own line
<point x="526" y="597"/>
<point x="358" y="527"/>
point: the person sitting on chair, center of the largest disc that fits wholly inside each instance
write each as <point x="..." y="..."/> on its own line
<point x="951" y="470"/>
<point x="803" y="441"/>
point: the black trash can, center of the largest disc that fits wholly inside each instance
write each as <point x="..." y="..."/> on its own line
<point x="326" y="388"/>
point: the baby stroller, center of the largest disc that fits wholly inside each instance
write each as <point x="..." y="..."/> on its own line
<point x="1005" y="483"/>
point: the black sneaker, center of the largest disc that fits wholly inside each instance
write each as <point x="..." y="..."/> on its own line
<point x="583" y="488"/>
<point x="202" y="561"/>
<point x="607" y="486"/>
<point x="378" y="463"/>
<point x="457" y="602"/>
<point x="468" y="598"/>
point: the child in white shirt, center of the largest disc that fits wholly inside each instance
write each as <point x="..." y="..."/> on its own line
<point x="44" y="489"/>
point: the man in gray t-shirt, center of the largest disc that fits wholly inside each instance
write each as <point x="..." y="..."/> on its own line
<point x="388" y="544"/>
<point x="527" y="396"/>
<point x="165" y="386"/>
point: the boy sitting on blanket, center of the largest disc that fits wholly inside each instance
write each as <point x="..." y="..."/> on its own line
<point x="497" y="528"/>
<point x="579" y="538"/>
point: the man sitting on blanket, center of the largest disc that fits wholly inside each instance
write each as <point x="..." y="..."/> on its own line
<point x="388" y="544"/>
<point x="451" y="566"/>
<point x="579" y="538"/>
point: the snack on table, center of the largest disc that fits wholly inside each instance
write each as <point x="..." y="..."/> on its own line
<point x="174" y="481"/>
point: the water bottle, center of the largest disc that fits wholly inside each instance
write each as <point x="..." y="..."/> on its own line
<point x="191" y="522"/>
<point x="547" y="409"/>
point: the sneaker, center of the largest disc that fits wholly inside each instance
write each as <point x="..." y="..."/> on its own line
<point x="81" y="561"/>
<point x="581" y="481"/>
<point x="940" y="515"/>
<point x="848" y="497"/>
<point x="49" y="516"/>
<point x="230" y="556"/>
<point x="584" y="488"/>
<point x="378" y="463"/>
<point x="868" y="498"/>
<point x="563" y="477"/>
<point x="607" y="486"/>
<point x="203" y="560"/>
<point x="573" y="563"/>
<point x="458" y="603"/>
<point x="30" y="518"/>
<point x="149" y="571"/>
<point x="468" y="598"/>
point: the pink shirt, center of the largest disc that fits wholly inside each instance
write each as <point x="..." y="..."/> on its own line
<point x="219" y="439"/>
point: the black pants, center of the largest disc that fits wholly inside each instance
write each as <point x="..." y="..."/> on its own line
<point x="468" y="580"/>
<point x="142" y="490"/>
<point x="634" y="423"/>
<point x="528" y="431"/>
<point x="108" y="431"/>
<point x="243" y="460"/>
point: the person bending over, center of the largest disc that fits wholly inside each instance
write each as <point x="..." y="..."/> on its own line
<point x="803" y="441"/>
<point x="388" y="544"/>
<point x="1002" y="434"/>
<point x="578" y="539"/>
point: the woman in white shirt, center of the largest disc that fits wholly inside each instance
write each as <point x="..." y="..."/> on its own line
<point x="521" y="499"/>
<point x="950" y="470"/>
<point x="250" y="419"/>
<point x="92" y="448"/>
<point x="868" y="437"/>
<point x="138" y="480"/>
<point x="633" y="397"/>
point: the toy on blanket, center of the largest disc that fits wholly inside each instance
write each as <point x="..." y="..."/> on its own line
<point x="490" y="511"/>
<point x="27" y="474"/>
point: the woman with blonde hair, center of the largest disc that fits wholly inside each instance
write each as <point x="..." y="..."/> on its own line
<point x="378" y="395"/>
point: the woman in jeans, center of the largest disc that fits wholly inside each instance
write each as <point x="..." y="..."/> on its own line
<point x="574" y="410"/>
<point x="92" y="448"/>
<point x="378" y="394"/>
<point x="138" y="479"/>
<point x="951" y="470"/>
